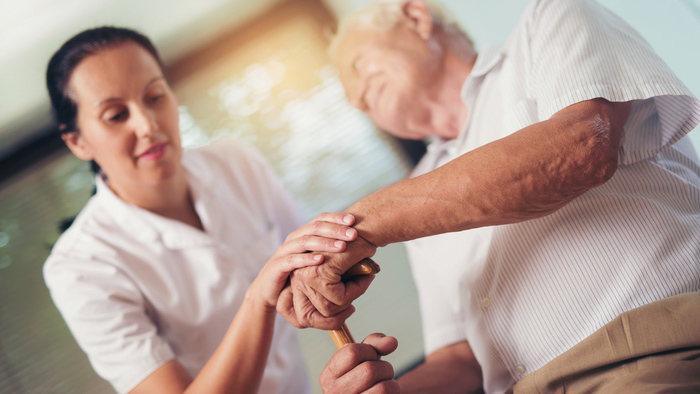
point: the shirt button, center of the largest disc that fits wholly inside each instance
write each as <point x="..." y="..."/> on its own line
<point x="519" y="369"/>
<point x="486" y="302"/>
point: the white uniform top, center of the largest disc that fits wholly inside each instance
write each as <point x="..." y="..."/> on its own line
<point x="137" y="289"/>
<point x="524" y="293"/>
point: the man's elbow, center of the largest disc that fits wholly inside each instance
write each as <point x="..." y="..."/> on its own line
<point x="601" y="136"/>
<point x="601" y="162"/>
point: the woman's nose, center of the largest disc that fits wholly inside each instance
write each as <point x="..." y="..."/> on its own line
<point x="144" y="124"/>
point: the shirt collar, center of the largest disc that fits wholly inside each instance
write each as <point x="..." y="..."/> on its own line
<point x="147" y="226"/>
<point x="487" y="59"/>
<point x="489" y="56"/>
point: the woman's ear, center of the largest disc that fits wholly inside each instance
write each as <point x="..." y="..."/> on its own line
<point x="419" y="18"/>
<point x="76" y="143"/>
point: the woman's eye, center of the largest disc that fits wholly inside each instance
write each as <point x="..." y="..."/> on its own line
<point x="121" y="115"/>
<point x="155" y="98"/>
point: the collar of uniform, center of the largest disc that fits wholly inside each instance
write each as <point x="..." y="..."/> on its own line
<point x="126" y="215"/>
<point x="150" y="227"/>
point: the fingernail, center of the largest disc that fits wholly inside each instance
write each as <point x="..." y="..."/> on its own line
<point x="350" y="232"/>
<point x="347" y="219"/>
<point x="339" y="244"/>
<point x="317" y="257"/>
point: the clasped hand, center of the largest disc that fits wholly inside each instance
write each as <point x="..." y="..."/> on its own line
<point x="316" y="296"/>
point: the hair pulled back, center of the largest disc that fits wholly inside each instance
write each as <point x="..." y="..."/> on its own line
<point x="71" y="53"/>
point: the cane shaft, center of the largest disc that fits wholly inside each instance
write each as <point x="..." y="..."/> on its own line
<point x="342" y="336"/>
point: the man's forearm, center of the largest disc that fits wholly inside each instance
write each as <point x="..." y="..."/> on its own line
<point x="526" y="175"/>
<point x="452" y="369"/>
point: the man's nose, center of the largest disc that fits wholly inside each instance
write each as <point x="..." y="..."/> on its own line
<point x="356" y="97"/>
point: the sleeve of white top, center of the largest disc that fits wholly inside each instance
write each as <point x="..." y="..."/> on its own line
<point x="106" y="315"/>
<point x="279" y="204"/>
<point x="441" y="322"/>
<point x="581" y="51"/>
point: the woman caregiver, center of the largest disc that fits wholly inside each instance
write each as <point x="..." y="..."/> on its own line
<point x="168" y="278"/>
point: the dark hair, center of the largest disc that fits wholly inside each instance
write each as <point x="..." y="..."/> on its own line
<point x="71" y="53"/>
<point x="64" y="61"/>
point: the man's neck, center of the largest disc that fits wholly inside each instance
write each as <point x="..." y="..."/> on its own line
<point x="452" y="112"/>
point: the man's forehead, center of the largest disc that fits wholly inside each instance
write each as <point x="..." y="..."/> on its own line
<point x="357" y="40"/>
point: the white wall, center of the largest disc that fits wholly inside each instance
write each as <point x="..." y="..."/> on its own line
<point x="672" y="27"/>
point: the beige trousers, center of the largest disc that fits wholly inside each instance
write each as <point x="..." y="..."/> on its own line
<point x="652" y="349"/>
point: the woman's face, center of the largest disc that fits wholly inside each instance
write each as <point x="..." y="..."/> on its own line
<point x="127" y="116"/>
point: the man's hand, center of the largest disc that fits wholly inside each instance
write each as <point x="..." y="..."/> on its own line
<point x="317" y="297"/>
<point x="357" y="368"/>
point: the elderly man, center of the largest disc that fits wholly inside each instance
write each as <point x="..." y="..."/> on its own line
<point x="554" y="223"/>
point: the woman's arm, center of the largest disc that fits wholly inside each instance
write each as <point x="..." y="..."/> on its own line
<point x="238" y="363"/>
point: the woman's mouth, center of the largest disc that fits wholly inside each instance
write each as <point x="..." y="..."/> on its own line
<point x="155" y="152"/>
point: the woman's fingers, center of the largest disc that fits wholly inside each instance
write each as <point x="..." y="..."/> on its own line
<point x="328" y="225"/>
<point x="294" y="261"/>
<point x="335" y="217"/>
<point x="310" y="243"/>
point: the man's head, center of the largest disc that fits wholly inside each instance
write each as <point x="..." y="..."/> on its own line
<point x="403" y="63"/>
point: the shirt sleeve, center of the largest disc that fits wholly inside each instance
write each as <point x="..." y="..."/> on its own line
<point x="440" y="317"/>
<point x="107" y="316"/>
<point x="279" y="204"/>
<point x="580" y="51"/>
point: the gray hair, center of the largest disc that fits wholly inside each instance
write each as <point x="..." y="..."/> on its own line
<point x="384" y="15"/>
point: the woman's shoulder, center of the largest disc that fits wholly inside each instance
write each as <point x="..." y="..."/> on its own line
<point x="228" y="150"/>
<point x="229" y="159"/>
<point x="94" y="232"/>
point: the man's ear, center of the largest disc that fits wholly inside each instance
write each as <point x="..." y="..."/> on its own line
<point x="419" y="17"/>
<point x="75" y="142"/>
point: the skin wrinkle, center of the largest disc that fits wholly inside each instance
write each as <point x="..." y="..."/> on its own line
<point x="540" y="185"/>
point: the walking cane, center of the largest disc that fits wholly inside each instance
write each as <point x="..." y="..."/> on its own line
<point x="367" y="266"/>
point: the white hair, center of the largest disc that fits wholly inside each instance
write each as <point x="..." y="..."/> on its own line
<point x="384" y="15"/>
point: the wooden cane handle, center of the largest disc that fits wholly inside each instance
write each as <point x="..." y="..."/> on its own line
<point x="364" y="267"/>
<point x="342" y="336"/>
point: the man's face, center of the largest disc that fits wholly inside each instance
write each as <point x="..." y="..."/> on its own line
<point x="390" y="75"/>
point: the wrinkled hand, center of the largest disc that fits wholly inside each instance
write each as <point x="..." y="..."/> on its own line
<point x="328" y="232"/>
<point x="316" y="296"/>
<point x="358" y="368"/>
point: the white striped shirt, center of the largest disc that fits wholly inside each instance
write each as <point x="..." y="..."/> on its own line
<point x="524" y="293"/>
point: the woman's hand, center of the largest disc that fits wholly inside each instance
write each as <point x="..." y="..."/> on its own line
<point x="328" y="232"/>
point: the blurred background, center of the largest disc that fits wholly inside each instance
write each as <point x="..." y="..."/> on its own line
<point x="257" y="70"/>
